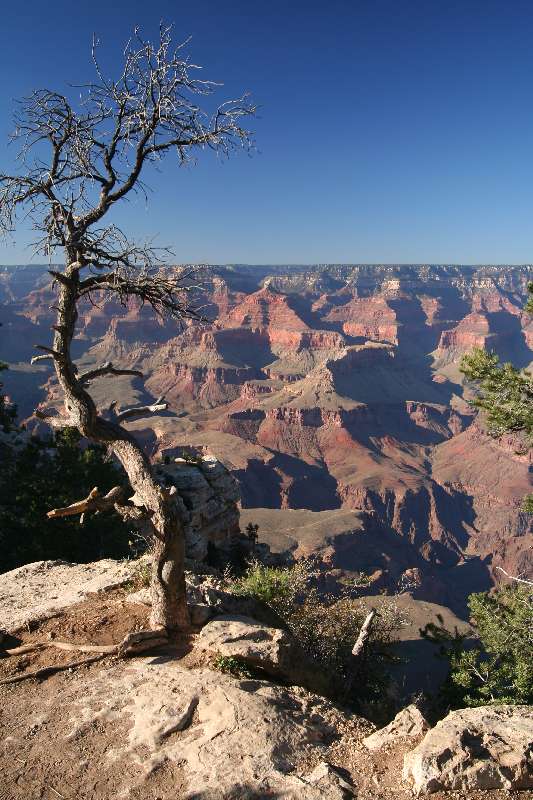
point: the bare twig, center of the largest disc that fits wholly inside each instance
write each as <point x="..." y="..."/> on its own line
<point x="128" y="413"/>
<point x="515" y="577"/>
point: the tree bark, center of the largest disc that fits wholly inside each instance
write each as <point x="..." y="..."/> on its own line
<point x="167" y="513"/>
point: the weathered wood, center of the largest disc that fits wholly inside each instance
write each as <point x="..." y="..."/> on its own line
<point x="364" y="634"/>
<point x="25" y="648"/>
<point x="92" y="503"/>
<point x="45" y="672"/>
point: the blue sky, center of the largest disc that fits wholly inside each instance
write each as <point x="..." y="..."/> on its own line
<point x="389" y="131"/>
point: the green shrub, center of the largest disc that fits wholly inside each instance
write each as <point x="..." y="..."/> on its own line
<point x="141" y="578"/>
<point x="276" y="586"/>
<point x="497" y="667"/>
<point x="327" y="628"/>
<point x="233" y="665"/>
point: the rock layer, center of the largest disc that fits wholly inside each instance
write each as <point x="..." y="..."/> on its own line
<point x="327" y="388"/>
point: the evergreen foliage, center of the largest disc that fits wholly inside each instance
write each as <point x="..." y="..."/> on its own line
<point x="505" y="394"/>
<point x="497" y="667"/>
<point x="36" y="476"/>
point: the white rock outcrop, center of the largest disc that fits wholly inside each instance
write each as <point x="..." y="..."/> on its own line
<point x="230" y="737"/>
<point x="409" y="723"/>
<point x="39" y="590"/>
<point x="210" y="494"/>
<point x="274" y="651"/>
<point x="489" y="747"/>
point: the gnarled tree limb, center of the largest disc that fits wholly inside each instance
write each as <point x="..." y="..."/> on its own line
<point x="107" y="369"/>
<point x="92" y="503"/>
<point x="128" y="413"/>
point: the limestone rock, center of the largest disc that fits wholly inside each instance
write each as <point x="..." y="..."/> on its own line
<point x="231" y="738"/>
<point x="409" y="723"/>
<point x="39" y="590"/>
<point x="489" y="747"/>
<point x="210" y="494"/>
<point x="271" y="649"/>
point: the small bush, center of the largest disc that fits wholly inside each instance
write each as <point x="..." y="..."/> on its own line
<point x="276" y="586"/>
<point x="232" y="665"/>
<point x="142" y="576"/>
<point x="327" y="628"/>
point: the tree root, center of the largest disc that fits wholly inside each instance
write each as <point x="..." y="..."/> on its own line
<point x="44" y="672"/>
<point x="132" y="644"/>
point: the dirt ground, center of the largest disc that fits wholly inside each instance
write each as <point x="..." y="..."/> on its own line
<point x="33" y="767"/>
<point x="39" y="762"/>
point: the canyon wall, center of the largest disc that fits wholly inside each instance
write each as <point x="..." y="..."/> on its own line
<point x="328" y="389"/>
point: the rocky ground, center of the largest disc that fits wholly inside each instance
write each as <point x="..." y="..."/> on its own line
<point x="170" y="726"/>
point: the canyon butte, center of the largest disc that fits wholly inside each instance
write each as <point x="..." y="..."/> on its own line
<point x="334" y="396"/>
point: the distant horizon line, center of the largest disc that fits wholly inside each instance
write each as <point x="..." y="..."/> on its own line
<point x="298" y="265"/>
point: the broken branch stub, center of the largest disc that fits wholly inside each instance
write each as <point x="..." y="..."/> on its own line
<point x="364" y="634"/>
<point x="92" y="503"/>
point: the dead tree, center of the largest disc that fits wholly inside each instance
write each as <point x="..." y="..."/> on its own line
<point x="77" y="161"/>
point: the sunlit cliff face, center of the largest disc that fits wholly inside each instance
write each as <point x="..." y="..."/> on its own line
<point x="328" y="389"/>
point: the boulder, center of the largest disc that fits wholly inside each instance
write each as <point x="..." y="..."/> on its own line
<point x="489" y="747"/>
<point x="223" y="602"/>
<point x="409" y="723"/>
<point x="271" y="650"/>
<point x="228" y="738"/>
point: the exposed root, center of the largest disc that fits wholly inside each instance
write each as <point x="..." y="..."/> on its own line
<point x="45" y="672"/>
<point x="132" y="644"/>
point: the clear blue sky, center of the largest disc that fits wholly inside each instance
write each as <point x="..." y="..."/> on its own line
<point x="391" y="131"/>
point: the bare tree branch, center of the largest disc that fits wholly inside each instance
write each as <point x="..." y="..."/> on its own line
<point x="107" y="369"/>
<point x="44" y="357"/>
<point x="92" y="503"/>
<point x="515" y="578"/>
<point x="364" y="633"/>
<point x="129" y="413"/>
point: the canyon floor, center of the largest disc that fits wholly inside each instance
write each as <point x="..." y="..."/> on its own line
<point x="334" y="396"/>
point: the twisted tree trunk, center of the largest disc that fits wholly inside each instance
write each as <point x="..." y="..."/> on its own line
<point x="166" y="512"/>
